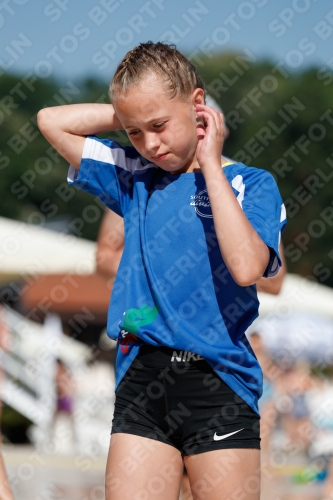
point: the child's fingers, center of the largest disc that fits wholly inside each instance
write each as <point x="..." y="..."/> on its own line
<point x="218" y="117"/>
<point x="214" y="120"/>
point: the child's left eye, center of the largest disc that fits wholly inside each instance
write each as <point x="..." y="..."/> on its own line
<point x="159" y="125"/>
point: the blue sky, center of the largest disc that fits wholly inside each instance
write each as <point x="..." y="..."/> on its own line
<point x="73" y="39"/>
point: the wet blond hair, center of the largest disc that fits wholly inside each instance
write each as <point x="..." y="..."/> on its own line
<point x="177" y="72"/>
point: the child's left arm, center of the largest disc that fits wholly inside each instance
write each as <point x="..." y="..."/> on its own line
<point x="244" y="252"/>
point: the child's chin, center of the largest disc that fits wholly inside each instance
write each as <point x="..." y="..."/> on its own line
<point x="171" y="170"/>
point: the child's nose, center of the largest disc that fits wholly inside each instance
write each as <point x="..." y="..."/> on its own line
<point x="152" y="141"/>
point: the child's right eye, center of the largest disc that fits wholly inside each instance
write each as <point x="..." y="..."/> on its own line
<point x="134" y="132"/>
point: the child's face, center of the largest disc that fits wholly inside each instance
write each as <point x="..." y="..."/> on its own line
<point x="163" y="130"/>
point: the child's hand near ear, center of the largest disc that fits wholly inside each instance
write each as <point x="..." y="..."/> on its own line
<point x="210" y="136"/>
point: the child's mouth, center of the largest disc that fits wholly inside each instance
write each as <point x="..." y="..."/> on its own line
<point x="160" y="157"/>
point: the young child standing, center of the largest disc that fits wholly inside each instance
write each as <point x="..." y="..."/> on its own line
<point x="199" y="233"/>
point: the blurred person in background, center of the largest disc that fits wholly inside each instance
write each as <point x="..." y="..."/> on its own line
<point x="110" y="246"/>
<point x="63" y="437"/>
<point x="297" y="425"/>
<point x="65" y="389"/>
<point x="5" y="491"/>
<point x="63" y="425"/>
<point x="272" y="378"/>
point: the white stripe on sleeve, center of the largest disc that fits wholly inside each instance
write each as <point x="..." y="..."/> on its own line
<point x="98" y="151"/>
<point x="72" y="174"/>
<point x="283" y="213"/>
<point x="237" y="183"/>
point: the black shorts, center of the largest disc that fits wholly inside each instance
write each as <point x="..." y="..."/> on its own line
<point x="182" y="403"/>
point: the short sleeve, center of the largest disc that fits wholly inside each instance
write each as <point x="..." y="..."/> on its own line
<point x="260" y="199"/>
<point x="106" y="171"/>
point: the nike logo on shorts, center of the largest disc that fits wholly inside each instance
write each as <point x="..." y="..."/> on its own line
<point x="218" y="438"/>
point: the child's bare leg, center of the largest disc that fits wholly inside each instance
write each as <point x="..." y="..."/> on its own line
<point x="225" y="474"/>
<point x="5" y="492"/>
<point x="186" y="493"/>
<point x="139" y="468"/>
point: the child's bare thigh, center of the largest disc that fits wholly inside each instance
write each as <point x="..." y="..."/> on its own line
<point x="225" y="474"/>
<point x="140" y="468"/>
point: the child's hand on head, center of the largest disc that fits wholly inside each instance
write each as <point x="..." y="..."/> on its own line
<point x="210" y="137"/>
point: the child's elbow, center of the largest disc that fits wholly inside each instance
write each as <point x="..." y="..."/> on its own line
<point x="243" y="281"/>
<point x="248" y="277"/>
<point x="49" y="120"/>
<point x="43" y="119"/>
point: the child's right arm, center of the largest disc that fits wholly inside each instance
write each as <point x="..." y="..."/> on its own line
<point x="66" y="127"/>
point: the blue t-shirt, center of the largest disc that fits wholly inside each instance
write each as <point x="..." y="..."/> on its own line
<point x="173" y="288"/>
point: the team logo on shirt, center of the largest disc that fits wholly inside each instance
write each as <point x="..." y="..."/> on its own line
<point x="202" y="204"/>
<point x="201" y="200"/>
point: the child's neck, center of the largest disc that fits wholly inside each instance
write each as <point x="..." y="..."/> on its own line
<point x="194" y="166"/>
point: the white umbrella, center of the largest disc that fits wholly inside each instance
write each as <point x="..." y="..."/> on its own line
<point x="298" y="294"/>
<point x="26" y="249"/>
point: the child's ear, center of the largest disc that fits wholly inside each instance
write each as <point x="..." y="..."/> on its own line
<point x="198" y="97"/>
